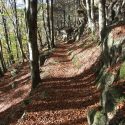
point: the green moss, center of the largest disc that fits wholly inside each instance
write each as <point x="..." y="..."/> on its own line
<point x="100" y="118"/>
<point x="122" y="71"/>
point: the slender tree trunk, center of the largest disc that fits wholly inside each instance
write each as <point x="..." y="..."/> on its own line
<point x="25" y="16"/>
<point x="92" y="16"/>
<point x="40" y="39"/>
<point x="17" y="49"/>
<point x="47" y="37"/>
<point x="88" y="13"/>
<point x="3" y="64"/>
<point x="64" y="16"/>
<point x="52" y="21"/>
<point x="1" y="72"/>
<point x="102" y="19"/>
<point x="33" y="47"/>
<point x="11" y="58"/>
<point x="18" y="31"/>
<point x="48" y="21"/>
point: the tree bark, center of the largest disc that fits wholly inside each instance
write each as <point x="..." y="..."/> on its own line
<point x="33" y="47"/>
<point x="11" y="58"/>
<point x="102" y="19"/>
<point x="52" y="21"/>
<point x="3" y="64"/>
<point x="18" y="31"/>
<point x="92" y="16"/>
<point x="44" y="23"/>
<point x="48" y="23"/>
<point x="88" y="13"/>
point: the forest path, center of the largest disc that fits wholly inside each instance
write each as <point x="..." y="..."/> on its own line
<point x="67" y="89"/>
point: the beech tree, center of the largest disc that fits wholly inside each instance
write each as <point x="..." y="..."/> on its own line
<point x="52" y="21"/>
<point x="48" y="27"/>
<point x="31" y="6"/>
<point x="2" y="61"/>
<point x="102" y="19"/>
<point x="92" y="16"/>
<point x="88" y="13"/>
<point x="17" y="27"/>
<point x="6" y="34"/>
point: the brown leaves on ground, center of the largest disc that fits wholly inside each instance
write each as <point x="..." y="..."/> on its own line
<point x="65" y="94"/>
<point x="10" y="98"/>
<point x="118" y="32"/>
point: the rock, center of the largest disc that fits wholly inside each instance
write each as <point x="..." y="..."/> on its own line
<point x="90" y="116"/>
<point x="105" y="79"/>
<point x="100" y="118"/>
<point x="114" y="46"/>
<point x="109" y="79"/>
<point x="107" y="100"/>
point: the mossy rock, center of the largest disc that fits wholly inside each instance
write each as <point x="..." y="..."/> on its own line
<point x="107" y="101"/>
<point x="100" y="73"/>
<point x="105" y="80"/>
<point x="100" y="84"/>
<point x="90" y="116"/>
<point x="100" y="118"/>
<point x="109" y="78"/>
<point x="122" y="71"/>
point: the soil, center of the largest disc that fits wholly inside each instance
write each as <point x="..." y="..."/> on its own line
<point x="64" y="96"/>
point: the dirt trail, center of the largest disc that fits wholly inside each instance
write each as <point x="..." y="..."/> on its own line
<point x="68" y="87"/>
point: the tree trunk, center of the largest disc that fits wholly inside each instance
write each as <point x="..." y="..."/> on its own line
<point x="11" y="58"/>
<point x="88" y="13"/>
<point x="52" y="21"/>
<point x="33" y="47"/>
<point x="92" y="16"/>
<point x="44" y="23"/>
<point x="3" y="64"/>
<point x="64" y="16"/>
<point x="40" y="40"/>
<point x="102" y="19"/>
<point x="18" y="31"/>
<point x="48" y="22"/>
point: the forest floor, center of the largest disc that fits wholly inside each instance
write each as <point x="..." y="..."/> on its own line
<point x="67" y="90"/>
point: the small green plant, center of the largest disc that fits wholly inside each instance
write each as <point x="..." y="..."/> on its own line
<point x="14" y="72"/>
